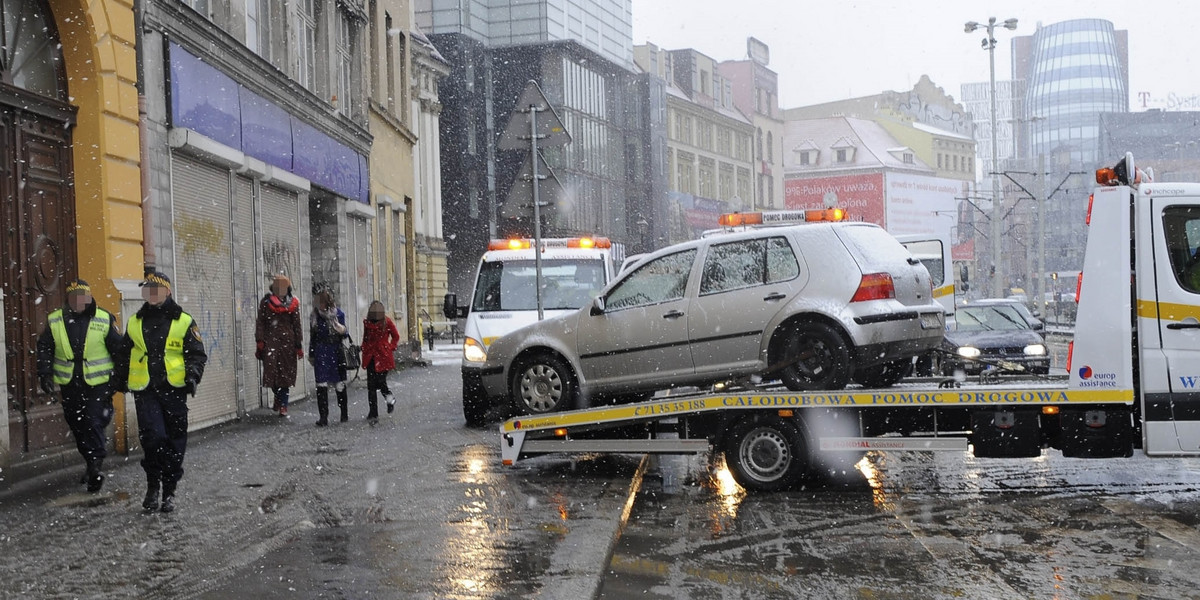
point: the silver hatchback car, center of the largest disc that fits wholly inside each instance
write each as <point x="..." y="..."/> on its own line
<point x="814" y="305"/>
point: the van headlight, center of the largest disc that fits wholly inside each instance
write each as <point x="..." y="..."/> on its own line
<point x="473" y="351"/>
<point x="1035" y="350"/>
<point x="968" y="352"/>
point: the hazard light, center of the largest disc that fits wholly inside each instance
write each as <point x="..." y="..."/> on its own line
<point x="511" y="244"/>
<point x="589" y="242"/>
<point x="1123" y="173"/>
<point x="781" y="217"/>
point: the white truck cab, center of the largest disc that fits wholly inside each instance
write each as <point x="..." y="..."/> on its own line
<point x="505" y="297"/>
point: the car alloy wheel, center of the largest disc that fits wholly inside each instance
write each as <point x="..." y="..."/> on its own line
<point x="542" y="384"/>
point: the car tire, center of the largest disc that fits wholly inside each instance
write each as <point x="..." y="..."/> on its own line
<point x="883" y="375"/>
<point x="541" y="384"/>
<point x="815" y="357"/>
<point x="766" y="454"/>
<point x="474" y="402"/>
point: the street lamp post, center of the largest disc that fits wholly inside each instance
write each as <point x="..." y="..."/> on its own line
<point x="989" y="44"/>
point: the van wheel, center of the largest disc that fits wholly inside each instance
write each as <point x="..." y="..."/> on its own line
<point x="474" y="402"/>
<point x="884" y="375"/>
<point x="766" y="454"/>
<point x="542" y="383"/>
<point x="814" y="357"/>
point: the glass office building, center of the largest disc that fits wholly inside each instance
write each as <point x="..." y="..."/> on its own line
<point x="1076" y="71"/>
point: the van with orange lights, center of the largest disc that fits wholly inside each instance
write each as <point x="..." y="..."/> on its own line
<point x="1132" y="381"/>
<point x="507" y="296"/>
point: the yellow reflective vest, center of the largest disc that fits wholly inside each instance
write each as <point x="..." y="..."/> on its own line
<point x="139" y="367"/>
<point x="97" y="363"/>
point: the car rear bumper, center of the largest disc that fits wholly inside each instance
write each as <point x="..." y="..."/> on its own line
<point x="885" y="338"/>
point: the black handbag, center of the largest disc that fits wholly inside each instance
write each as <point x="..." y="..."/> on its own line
<point x="351" y="355"/>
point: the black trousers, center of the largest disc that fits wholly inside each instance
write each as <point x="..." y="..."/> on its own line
<point x="162" y="429"/>
<point x="88" y="411"/>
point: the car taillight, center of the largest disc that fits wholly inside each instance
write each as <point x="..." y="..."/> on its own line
<point x="875" y="286"/>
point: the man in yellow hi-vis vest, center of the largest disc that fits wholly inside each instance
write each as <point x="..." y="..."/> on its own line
<point x="75" y="356"/>
<point x="166" y="359"/>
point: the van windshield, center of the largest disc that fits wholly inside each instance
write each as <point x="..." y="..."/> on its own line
<point x="566" y="284"/>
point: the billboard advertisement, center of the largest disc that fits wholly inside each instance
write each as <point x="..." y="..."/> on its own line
<point x="861" y="195"/>
<point x="921" y="204"/>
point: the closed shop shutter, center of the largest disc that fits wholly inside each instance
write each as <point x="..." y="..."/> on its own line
<point x="360" y="274"/>
<point x="280" y="227"/>
<point x="203" y="282"/>
<point x="250" y="289"/>
<point x="400" y="262"/>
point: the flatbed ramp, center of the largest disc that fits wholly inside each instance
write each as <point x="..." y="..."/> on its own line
<point x="561" y="432"/>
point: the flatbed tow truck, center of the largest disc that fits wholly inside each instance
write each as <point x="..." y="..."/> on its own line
<point x="1133" y="376"/>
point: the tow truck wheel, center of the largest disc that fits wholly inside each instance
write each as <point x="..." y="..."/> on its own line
<point x="542" y="384"/>
<point x="814" y="357"/>
<point x="766" y="454"/>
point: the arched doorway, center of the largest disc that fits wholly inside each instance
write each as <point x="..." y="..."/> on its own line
<point x="37" y="215"/>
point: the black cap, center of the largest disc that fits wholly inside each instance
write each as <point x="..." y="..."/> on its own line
<point x="157" y="278"/>
<point x="78" y="285"/>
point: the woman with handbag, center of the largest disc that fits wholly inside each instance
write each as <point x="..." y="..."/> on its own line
<point x="378" y="345"/>
<point x="279" y="341"/>
<point x="326" y="337"/>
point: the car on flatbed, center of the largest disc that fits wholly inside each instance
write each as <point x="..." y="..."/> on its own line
<point x="815" y="305"/>
<point x="994" y="335"/>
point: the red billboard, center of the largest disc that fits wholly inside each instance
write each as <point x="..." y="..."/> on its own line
<point x="860" y="195"/>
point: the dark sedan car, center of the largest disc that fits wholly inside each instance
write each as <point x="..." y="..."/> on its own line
<point x="994" y="336"/>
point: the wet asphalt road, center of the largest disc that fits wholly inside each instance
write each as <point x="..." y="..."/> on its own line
<point x="417" y="506"/>
<point x="916" y="526"/>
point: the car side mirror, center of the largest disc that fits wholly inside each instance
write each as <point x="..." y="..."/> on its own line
<point x="450" y="307"/>
<point x="597" y="306"/>
<point x="1038" y="326"/>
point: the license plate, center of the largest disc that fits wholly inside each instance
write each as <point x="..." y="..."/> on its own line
<point x="931" y="321"/>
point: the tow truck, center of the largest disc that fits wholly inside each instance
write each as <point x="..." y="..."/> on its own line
<point x="1133" y="378"/>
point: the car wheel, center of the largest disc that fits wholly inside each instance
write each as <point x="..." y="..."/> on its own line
<point x="474" y="402"/>
<point x="883" y="375"/>
<point x="814" y="357"/>
<point x="766" y="454"/>
<point x="542" y="384"/>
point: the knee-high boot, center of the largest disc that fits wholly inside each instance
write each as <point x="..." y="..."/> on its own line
<point x="322" y="406"/>
<point x="342" y="405"/>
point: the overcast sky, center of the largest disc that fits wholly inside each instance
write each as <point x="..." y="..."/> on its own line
<point x="826" y="50"/>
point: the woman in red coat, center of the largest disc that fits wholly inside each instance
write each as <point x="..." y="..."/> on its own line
<point x="379" y="341"/>
<point x="279" y="340"/>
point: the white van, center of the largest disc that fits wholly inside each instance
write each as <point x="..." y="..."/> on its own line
<point x="505" y="297"/>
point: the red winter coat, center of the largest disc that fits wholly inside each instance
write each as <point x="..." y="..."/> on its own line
<point x="378" y="343"/>
<point x="278" y="330"/>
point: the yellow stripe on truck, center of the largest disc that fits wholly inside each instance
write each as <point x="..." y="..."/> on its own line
<point x="1149" y="309"/>
<point x="881" y="398"/>
<point x="945" y="290"/>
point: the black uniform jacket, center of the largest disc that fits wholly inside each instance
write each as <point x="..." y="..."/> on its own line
<point x="77" y="326"/>
<point x="156" y="324"/>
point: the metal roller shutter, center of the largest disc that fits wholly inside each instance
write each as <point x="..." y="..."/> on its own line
<point x="280" y="227"/>
<point x="203" y="282"/>
<point x="250" y="289"/>
<point x="360" y="274"/>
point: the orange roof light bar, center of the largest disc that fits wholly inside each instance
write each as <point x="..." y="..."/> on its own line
<point x="780" y="217"/>
<point x="589" y="242"/>
<point x="510" y="244"/>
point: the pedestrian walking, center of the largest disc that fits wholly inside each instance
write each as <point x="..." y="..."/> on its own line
<point x="75" y="356"/>
<point x="379" y="341"/>
<point x="166" y="359"/>
<point x="279" y="340"/>
<point x="327" y="333"/>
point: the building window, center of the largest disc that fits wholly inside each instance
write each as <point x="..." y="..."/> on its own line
<point x="200" y="6"/>
<point x="805" y="159"/>
<point x="770" y="148"/>
<point x="707" y="174"/>
<point x="252" y="24"/>
<point x="841" y="155"/>
<point x="939" y="161"/>
<point x="306" y="43"/>
<point x="344" y="99"/>
<point x="908" y="158"/>
<point x="758" y="155"/>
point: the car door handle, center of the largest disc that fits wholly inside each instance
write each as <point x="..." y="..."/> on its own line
<point x="673" y="314"/>
<point x="1184" y="325"/>
<point x="773" y="297"/>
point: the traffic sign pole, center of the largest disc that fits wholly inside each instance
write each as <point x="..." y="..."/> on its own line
<point x="537" y="209"/>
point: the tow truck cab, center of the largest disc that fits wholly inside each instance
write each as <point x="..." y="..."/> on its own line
<point x="505" y="297"/>
<point x="1133" y="374"/>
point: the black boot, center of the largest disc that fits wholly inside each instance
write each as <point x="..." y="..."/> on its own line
<point x="168" y="498"/>
<point x="322" y="406"/>
<point x="95" y="475"/>
<point x="151" y="501"/>
<point x="342" y="404"/>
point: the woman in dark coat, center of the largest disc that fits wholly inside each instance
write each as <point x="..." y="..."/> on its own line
<point x="326" y="333"/>
<point x="279" y="340"/>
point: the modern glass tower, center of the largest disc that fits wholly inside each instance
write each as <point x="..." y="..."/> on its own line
<point x="1076" y="71"/>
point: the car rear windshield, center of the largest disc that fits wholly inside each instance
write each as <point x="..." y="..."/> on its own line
<point x="509" y="284"/>
<point x="876" y="246"/>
